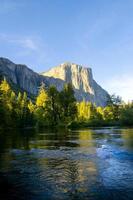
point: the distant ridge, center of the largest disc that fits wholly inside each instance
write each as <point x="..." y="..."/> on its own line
<point x="80" y="77"/>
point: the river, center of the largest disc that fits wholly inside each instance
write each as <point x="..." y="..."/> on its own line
<point x="92" y="164"/>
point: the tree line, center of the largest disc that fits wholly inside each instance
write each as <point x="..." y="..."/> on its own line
<point x="54" y="108"/>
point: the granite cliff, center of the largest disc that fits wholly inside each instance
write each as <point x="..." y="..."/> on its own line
<point x="81" y="78"/>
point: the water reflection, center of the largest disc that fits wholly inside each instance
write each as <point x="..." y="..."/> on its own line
<point x="82" y="164"/>
<point x="127" y="136"/>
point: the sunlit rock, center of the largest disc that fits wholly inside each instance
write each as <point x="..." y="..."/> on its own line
<point x="80" y="77"/>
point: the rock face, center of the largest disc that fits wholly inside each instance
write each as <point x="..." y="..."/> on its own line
<point x="81" y="78"/>
<point x="21" y="75"/>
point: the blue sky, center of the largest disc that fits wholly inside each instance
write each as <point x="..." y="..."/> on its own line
<point x="95" y="33"/>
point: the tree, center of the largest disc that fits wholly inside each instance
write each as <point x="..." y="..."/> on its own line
<point x="31" y="106"/>
<point x="67" y="104"/>
<point x="126" y="114"/>
<point x="5" y="87"/>
<point x="2" y="112"/>
<point x="114" y="105"/>
<point x="25" y="117"/>
<point x="13" y="109"/>
<point x="83" y="111"/>
<point x="115" y="100"/>
<point x="42" y="97"/>
<point x="59" y="108"/>
<point x="5" y="92"/>
<point x="53" y="105"/>
<point x="41" y="111"/>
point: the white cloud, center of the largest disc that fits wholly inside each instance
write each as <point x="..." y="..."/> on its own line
<point x="33" y="50"/>
<point x="121" y="85"/>
<point x="28" y="42"/>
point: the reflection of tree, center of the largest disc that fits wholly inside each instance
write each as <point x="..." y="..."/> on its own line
<point x="5" y="143"/>
<point x="86" y="142"/>
<point x="15" y="163"/>
<point x="65" y="161"/>
<point x="13" y="139"/>
<point x="72" y="171"/>
<point x="86" y="167"/>
<point x="127" y="135"/>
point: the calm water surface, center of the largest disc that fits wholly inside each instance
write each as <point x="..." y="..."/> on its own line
<point x="84" y="164"/>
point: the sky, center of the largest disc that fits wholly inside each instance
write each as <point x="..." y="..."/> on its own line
<point x="94" y="33"/>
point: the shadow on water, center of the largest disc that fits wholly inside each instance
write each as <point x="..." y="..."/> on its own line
<point x="11" y="139"/>
<point x="61" y="164"/>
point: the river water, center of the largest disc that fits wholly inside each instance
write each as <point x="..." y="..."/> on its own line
<point x="82" y="164"/>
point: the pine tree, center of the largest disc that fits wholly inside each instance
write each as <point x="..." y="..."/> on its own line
<point x="68" y="104"/>
<point x="2" y="112"/>
<point x="13" y="109"/>
<point x="5" y="92"/>
<point x="41" y="110"/>
<point x="53" y="105"/>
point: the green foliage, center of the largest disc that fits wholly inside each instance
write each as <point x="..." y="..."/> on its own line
<point x="2" y="112"/>
<point x="5" y="98"/>
<point x="126" y="115"/>
<point x="42" y="98"/>
<point x="115" y="113"/>
<point x="54" y="108"/>
<point x="83" y="110"/>
<point x="67" y="103"/>
<point x="41" y="107"/>
<point x="14" y="111"/>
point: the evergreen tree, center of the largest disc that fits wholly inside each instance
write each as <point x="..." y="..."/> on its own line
<point x="41" y="111"/>
<point x="67" y="104"/>
<point x="53" y="108"/>
<point x="115" y="105"/>
<point x="5" y="92"/>
<point x="126" y="114"/>
<point x="2" y="112"/>
<point x="25" y="117"/>
<point x="13" y="109"/>
<point x="53" y="105"/>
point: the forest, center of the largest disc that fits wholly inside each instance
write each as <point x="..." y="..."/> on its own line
<point x="53" y="108"/>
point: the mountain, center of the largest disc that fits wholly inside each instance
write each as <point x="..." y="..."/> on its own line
<point x="23" y="78"/>
<point x="84" y="85"/>
<point x="20" y="75"/>
<point x="82" y="80"/>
